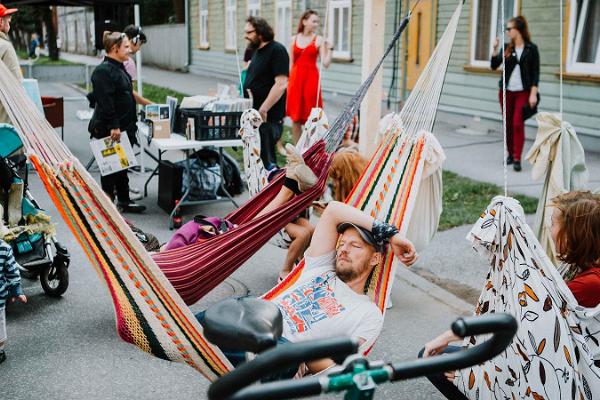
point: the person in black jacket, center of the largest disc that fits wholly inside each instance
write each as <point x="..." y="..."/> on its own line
<point x="522" y="73"/>
<point x="115" y="112"/>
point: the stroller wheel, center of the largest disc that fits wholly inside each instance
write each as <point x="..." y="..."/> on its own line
<point x="55" y="279"/>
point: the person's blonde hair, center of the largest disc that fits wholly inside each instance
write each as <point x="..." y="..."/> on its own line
<point x="578" y="237"/>
<point x="346" y="168"/>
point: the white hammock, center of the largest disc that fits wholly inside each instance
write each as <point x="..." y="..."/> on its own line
<point x="558" y="156"/>
<point x="555" y="353"/>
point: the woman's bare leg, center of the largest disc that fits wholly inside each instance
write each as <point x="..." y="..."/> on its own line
<point x="282" y="197"/>
<point x="300" y="232"/>
<point x="296" y="131"/>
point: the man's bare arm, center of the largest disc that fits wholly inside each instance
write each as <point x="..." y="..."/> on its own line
<point x="275" y="94"/>
<point x="325" y="237"/>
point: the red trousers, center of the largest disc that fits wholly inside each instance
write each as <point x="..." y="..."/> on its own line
<point x="515" y="126"/>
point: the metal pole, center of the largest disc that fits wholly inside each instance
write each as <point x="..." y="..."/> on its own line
<point x="188" y="36"/>
<point x="138" y="55"/>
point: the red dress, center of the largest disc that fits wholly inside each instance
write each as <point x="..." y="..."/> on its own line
<point x="303" y="82"/>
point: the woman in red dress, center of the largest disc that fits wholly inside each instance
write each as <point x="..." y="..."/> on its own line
<point x="303" y="82"/>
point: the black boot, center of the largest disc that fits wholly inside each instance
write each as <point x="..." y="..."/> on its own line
<point x="517" y="166"/>
<point x="2" y="356"/>
<point x="131" y="207"/>
<point x="509" y="160"/>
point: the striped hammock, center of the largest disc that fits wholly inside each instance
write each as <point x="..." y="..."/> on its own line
<point x="150" y="313"/>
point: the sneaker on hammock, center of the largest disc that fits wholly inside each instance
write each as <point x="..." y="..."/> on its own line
<point x="297" y="170"/>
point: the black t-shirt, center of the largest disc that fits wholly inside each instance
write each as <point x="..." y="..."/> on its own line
<point x="268" y="62"/>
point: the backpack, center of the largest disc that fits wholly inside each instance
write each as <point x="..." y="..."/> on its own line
<point x="199" y="229"/>
<point x="231" y="170"/>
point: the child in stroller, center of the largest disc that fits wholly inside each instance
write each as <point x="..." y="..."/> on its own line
<point x="24" y="225"/>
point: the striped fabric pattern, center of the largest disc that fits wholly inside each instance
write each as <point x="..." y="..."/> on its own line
<point x="10" y="279"/>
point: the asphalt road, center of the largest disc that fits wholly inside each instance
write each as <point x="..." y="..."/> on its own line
<point x="68" y="348"/>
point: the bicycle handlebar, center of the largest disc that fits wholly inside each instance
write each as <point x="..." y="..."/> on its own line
<point x="278" y="358"/>
<point x="503" y="328"/>
<point x="233" y="385"/>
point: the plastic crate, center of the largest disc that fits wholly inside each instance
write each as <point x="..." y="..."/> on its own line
<point x="210" y="125"/>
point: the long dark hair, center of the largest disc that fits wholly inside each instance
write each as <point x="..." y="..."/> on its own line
<point x="520" y="24"/>
<point x="262" y="28"/>
<point x="305" y="15"/>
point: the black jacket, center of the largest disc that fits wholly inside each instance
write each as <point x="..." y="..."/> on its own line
<point x="115" y="105"/>
<point x="530" y="65"/>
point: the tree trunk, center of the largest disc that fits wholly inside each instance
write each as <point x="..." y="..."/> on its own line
<point x="179" y="8"/>
<point x="49" y="16"/>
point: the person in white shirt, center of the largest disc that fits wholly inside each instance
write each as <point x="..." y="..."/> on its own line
<point x="329" y="297"/>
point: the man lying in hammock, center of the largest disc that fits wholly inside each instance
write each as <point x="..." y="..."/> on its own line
<point x="328" y="299"/>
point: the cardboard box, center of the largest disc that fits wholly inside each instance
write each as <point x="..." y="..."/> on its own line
<point x="161" y="129"/>
<point x="160" y="115"/>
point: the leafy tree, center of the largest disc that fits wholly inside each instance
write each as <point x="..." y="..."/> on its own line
<point x="31" y="19"/>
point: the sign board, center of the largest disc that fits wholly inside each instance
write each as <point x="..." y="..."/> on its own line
<point x="113" y="156"/>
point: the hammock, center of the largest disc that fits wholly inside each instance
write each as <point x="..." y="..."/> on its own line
<point x="558" y="156"/>
<point x="555" y="353"/>
<point x="149" y="311"/>
<point x="193" y="272"/>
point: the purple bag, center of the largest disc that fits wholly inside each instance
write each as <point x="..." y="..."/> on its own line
<point x="201" y="228"/>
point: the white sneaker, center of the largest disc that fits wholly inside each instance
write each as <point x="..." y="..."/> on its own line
<point x="135" y="196"/>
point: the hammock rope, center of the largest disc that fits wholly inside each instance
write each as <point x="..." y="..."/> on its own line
<point x="504" y="137"/>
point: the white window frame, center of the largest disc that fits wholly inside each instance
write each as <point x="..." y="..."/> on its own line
<point x="203" y="22"/>
<point x="575" y="40"/>
<point x="230" y="31"/>
<point x="493" y="32"/>
<point x="338" y="51"/>
<point x="253" y="8"/>
<point x="284" y="31"/>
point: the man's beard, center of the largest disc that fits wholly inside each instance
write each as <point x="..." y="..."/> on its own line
<point x="253" y="44"/>
<point x="348" y="273"/>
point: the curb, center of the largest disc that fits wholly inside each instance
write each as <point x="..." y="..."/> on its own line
<point x="433" y="290"/>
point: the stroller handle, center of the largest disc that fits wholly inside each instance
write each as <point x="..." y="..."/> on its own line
<point x="233" y="385"/>
<point x="503" y="328"/>
<point x="278" y="358"/>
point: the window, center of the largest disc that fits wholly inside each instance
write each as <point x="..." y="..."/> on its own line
<point x="583" y="54"/>
<point x="204" y="23"/>
<point x="284" y="22"/>
<point x="340" y="19"/>
<point x="486" y="26"/>
<point x="230" y="25"/>
<point x="254" y="8"/>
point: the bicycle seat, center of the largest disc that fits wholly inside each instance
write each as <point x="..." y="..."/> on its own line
<point x="244" y="324"/>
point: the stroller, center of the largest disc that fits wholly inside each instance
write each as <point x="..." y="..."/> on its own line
<point x="24" y="225"/>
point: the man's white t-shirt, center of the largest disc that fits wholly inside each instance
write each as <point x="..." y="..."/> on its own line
<point x="515" y="84"/>
<point x="320" y="306"/>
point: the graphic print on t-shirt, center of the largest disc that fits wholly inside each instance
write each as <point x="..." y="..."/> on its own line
<point x="310" y="303"/>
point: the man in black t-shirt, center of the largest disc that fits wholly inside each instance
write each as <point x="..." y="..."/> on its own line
<point x="266" y="83"/>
